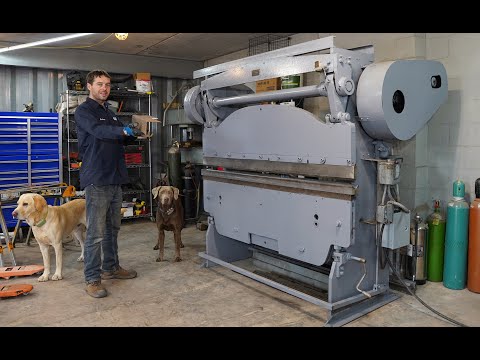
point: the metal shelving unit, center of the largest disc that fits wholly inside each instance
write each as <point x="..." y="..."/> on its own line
<point x="143" y="104"/>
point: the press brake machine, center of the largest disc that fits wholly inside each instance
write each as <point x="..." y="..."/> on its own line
<point x="304" y="194"/>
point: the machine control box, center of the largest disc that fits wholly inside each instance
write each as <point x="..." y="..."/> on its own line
<point x="397" y="234"/>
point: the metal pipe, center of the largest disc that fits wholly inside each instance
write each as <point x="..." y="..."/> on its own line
<point x="278" y="95"/>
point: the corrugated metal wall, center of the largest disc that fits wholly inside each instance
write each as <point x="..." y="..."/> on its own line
<point x="21" y="85"/>
<point x="42" y="87"/>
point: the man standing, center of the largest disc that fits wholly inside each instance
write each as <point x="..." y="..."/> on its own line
<point x="100" y="143"/>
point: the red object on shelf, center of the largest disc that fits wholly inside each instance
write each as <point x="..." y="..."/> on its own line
<point x="133" y="158"/>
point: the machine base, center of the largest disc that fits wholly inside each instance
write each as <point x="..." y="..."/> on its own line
<point x="346" y="315"/>
<point x="339" y="313"/>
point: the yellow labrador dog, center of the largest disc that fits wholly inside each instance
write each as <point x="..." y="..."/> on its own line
<point x="50" y="225"/>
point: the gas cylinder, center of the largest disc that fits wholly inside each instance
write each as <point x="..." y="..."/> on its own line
<point x="473" y="282"/>
<point x="456" y="239"/>
<point x="416" y="269"/>
<point x="436" y="243"/>
<point x="190" y="191"/>
<point x="175" y="166"/>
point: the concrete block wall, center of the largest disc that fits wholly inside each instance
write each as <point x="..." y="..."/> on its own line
<point x="454" y="131"/>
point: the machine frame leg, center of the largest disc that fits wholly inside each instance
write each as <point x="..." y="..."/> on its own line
<point x="345" y="315"/>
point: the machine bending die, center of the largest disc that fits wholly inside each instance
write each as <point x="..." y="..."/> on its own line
<point x="300" y="192"/>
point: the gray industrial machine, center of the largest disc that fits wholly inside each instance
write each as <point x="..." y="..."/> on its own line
<point x="314" y="199"/>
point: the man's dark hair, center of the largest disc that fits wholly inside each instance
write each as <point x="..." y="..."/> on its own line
<point x="96" y="73"/>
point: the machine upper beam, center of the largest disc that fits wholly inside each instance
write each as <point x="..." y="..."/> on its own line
<point x="303" y="48"/>
<point x="268" y="69"/>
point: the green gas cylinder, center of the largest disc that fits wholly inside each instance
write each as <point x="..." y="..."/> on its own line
<point x="436" y="244"/>
<point x="456" y="239"/>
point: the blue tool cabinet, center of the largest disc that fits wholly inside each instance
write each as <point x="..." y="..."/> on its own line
<point x="30" y="152"/>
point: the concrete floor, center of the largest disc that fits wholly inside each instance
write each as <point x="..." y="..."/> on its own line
<point x="185" y="294"/>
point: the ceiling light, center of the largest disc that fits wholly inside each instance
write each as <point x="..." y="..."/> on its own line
<point x="43" y="42"/>
<point x="121" y="36"/>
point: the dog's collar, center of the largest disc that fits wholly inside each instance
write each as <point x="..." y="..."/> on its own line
<point x="43" y="221"/>
<point x="168" y="212"/>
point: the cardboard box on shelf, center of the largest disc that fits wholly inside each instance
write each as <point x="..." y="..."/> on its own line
<point x="128" y="212"/>
<point x="127" y="207"/>
<point x="143" y="121"/>
<point x="268" y="85"/>
<point x="141" y="76"/>
<point x="143" y="86"/>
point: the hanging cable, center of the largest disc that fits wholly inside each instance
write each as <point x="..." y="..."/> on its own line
<point x="383" y="263"/>
<point x="401" y="206"/>
<point x="416" y="297"/>
<point x="384" y="194"/>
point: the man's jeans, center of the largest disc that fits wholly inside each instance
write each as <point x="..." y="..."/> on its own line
<point x="103" y="223"/>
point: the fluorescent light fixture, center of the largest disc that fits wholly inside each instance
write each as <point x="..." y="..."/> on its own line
<point x="121" y="36"/>
<point x="43" y="42"/>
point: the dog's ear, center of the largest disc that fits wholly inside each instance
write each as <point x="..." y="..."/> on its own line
<point x="175" y="192"/>
<point x="155" y="191"/>
<point x="39" y="202"/>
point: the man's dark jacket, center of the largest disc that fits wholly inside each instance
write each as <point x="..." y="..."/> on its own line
<point x="100" y="145"/>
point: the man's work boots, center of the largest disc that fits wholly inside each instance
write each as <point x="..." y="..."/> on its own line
<point x="96" y="289"/>
<point x="120" y="273"/>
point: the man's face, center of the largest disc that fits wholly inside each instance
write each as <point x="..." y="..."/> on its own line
<point x="100" y="89"/>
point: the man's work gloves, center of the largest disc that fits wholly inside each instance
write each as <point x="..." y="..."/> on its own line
<point x="128" y="131"/>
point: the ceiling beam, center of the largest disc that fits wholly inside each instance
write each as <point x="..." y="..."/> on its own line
<point x="69" y="59"/>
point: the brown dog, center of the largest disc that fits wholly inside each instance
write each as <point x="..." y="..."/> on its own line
<point x="169" y="217"/>
<point x="50" y="225"/>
